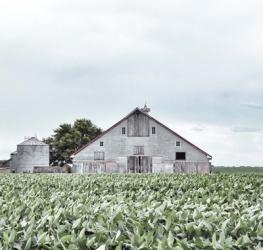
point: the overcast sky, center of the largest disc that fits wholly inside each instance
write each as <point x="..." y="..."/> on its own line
<point x="197" y="64"/>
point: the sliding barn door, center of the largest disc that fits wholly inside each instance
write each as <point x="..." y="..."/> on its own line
<point x="139" y="164"/>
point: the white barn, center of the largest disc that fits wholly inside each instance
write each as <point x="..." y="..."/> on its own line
<point x="140" y="144"/>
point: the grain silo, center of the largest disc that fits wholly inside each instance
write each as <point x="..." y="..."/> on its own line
<point x="31" y="153"/>
<point x="12" y="163"/>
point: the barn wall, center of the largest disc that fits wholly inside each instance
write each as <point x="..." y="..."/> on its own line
<point x="161" y="146"/>
<point x="138" y="125"/>
<point x="117" y="166"/>
<point x="44" y="169"/>
<point x="28" y="157"/>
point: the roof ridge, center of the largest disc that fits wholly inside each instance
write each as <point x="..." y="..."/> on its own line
<point x="32" y="141"/>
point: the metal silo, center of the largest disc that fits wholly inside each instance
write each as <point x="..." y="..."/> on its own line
<point x="31" y="153"/>
<point x="13" y="162"/>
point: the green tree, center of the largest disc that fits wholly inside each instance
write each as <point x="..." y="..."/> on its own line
<point x="68" y="138"/>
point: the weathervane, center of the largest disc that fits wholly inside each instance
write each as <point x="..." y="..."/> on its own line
<point x="145" y="109"/>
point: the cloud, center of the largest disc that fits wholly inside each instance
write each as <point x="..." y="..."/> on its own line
<point x="247" y="130"/>
<point x="194" y="63"/>
<point x="198" y="129"/>
<point x="253" y="106"/>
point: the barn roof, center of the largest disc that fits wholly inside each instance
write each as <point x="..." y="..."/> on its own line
<point x="33" y="141"/>
<point x="146" y="114"/>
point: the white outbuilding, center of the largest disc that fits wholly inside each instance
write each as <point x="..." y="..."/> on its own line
<point x="30" y="153"/>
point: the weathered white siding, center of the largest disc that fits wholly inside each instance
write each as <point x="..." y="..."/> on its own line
<point x="138" y="125"/>
<point x="160" y="146"/>
<point x="30" y="153"/>
<point x="28" y="157"/>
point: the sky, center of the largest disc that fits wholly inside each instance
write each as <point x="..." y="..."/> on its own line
<point x="197" y="64"/>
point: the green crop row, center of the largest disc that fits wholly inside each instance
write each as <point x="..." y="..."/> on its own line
<point x="137" y="211"/>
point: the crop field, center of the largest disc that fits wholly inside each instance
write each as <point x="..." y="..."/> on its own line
<point x="219" y="211"/>
<point x="235" y="170"/>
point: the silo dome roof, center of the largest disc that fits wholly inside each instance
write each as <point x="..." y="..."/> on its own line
<point x="33" y="141"/>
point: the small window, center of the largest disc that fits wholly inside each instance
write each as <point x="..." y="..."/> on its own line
<point x="153" y="130"/>
<point x="180" y="156"/>
<point x="138" y="150"/>
<point x="101" y="143"/>
<point x="178" y="144"/>
<point x="99" y="156"/>
<point x="123" y="131"/>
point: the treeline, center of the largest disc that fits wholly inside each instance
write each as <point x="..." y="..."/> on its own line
<point x="241" y="169"/>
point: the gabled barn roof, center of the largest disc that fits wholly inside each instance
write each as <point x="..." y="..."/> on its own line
<point x="33" y="141"/>
<point x="146" y="114"/>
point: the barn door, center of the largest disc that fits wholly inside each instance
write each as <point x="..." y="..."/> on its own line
<point x="139" y="164"/>
<point x="131" y="164"/>
<point x="146" y="164"/>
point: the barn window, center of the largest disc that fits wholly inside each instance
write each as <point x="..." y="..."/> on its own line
<point x="123" y="131"/>
<point x="138" y="150"/>
<point x="153" y="130"/>
<point x="180" y="156"/>
<point x="101" y="143"/>
<point x="178" y="144"/>
<point x="99" y="155"/>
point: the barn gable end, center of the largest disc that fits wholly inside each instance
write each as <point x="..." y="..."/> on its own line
<point x="145" y="143"/>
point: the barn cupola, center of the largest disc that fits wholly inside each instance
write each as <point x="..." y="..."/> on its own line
<point x="145" y="109"/>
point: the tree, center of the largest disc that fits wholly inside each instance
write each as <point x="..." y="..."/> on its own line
<point x="68" y="138"/>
